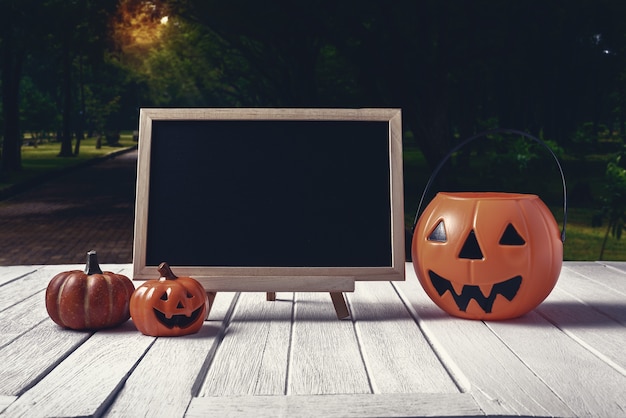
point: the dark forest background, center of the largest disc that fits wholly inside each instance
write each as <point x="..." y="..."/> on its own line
<point x="556" y="69"/>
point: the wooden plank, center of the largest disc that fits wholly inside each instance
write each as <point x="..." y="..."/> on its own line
<point x="22" y="317"/>
<point x="252" y="358"/>
<point x="592" y="315"/>
<point x="325" y="356"/>
<point x="165" y="380"/>
<point x="30" y="357"/>
<point x="479" y="361"/>
<point x="586" y="383"/>
<point x="329" y="406"/>
<point x="397" y="355"/>
<point x="6" y="401"/>
<point x="588" y="283"/>
<point x="618" y="265"/>
<point x="603" y="274"/>
<point x="29" y="284"/>
<point x="87" y="380"/>
<point x="10" y="273"/>
<point x="584" y="285"/>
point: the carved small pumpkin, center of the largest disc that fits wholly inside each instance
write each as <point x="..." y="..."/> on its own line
<point x="169" y="306"/>
<point x="90" y="299"/>
<point x="487" y="255"/>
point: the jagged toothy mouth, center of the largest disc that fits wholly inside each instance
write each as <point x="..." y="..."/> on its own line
<point x="180" y="321"/>
<point x="508" y="289"/>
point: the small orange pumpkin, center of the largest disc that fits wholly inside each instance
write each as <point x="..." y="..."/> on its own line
<point x="169" y="306"/>
<point x="90" y="299"/>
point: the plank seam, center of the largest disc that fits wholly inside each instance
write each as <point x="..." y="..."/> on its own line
<point x="357" y="335"/>
<point x="195" y="388"/>
<point x="6" y="401"/>
<point x="108" y="402"/>
<point x="595" y="280"/>
<point x="58" y="361"/>
<point x="582" y="343"/>
<point x="530" y="369"/>
<point x="286" y="390"/>
<point x="11" y="341"/>
<point x="290" y="344"/>
<point x="18" y="277"/>
<point x="37" y="292"/>
<point x="456" y="375"/>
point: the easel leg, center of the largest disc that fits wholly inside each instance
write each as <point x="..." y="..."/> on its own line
<point x="211" y="297"/>
<point x="341" y="308"/>
<point x="340" y="305"/>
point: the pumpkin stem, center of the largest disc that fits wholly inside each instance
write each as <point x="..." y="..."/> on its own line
<point x="92" y="266"/>
<point x="166" y="271"/>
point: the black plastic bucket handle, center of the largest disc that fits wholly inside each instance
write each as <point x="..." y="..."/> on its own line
<point x="491" y="132"/>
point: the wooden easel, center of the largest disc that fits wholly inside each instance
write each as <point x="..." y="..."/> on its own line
<point x="339" y="302"/>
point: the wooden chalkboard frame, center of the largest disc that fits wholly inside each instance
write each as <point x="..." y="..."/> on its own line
<point x="272" y="279"/>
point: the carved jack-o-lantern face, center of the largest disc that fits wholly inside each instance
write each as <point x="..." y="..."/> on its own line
<point x="487" y="255"/>
<point x="177" y="306"/>
<point x="169" y="306"/>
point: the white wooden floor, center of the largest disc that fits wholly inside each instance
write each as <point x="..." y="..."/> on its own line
<point x="398" y="355"/>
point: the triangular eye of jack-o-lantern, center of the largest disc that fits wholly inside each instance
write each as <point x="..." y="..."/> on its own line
<point x="511" y="236"/>
<point x="439" y="233"/>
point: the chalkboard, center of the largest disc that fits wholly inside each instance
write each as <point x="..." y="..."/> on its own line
<point x="270" y="199"/>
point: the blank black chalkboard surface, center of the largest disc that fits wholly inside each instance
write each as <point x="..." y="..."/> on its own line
<point x="270" y="199"/>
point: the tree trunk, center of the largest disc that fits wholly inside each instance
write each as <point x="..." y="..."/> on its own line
<point x="66" y="140"/>
<point x="12" y="58"/>
<point x="604" y="241"/>
<point x="80" y="131"/>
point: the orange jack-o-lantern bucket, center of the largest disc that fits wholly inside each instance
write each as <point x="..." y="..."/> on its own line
<point x="488" y="255"/>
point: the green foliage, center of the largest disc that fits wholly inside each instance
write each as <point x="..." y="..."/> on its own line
<point x="38" y="111"/>
<point x="614" y="200"/>
<point x="508" y="163"/>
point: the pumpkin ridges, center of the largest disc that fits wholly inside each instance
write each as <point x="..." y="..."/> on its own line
<point x="53" y="298"/>
<point x="89" y="290"/>
<point x="72" y="302"/>
<point x="140" y="295"/>
<point x="77" y="300"/>
<point x="110" y="308"/>
<point x="119" y="296"/>
<point x="96" y="302"/>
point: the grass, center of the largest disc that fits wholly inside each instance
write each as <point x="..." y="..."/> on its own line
<point x="43" y="159"/>
<point x="583" y="242"/>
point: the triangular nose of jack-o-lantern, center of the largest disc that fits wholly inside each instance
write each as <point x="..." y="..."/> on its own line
<point x="471" y="248"/>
